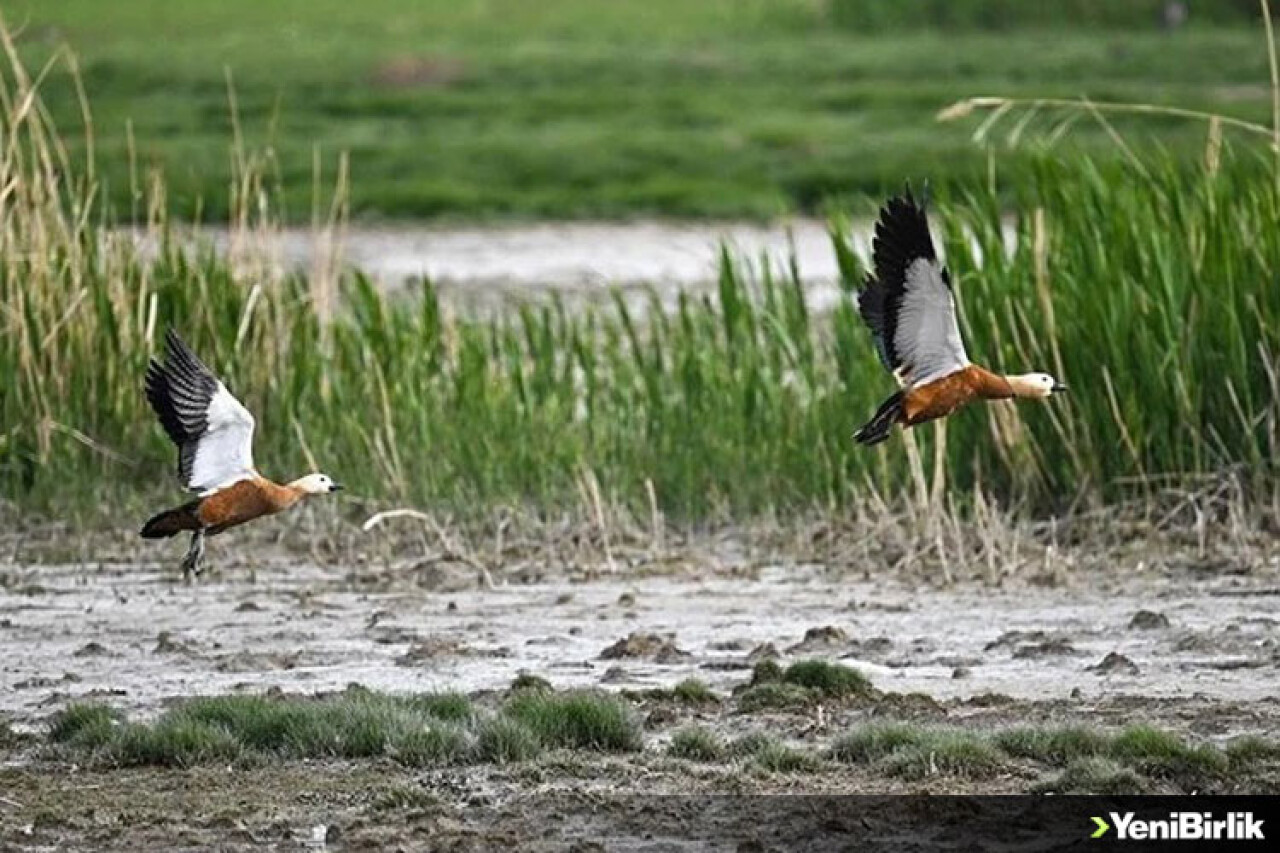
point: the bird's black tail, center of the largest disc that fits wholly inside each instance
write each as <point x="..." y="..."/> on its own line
<point x="172" y="522"/>
<point x="877" y="429"/>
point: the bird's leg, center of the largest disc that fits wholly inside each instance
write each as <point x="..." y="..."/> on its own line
<point x="916" y="467"/>
<point x="191" y="562"/>
<point x="939" y="464"/>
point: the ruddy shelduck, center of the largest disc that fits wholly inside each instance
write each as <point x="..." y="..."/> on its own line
<point x="214" y="435"/>
<point x="909" y="305"/>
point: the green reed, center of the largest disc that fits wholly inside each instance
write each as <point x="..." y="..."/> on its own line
<point x="1151" y="290"/>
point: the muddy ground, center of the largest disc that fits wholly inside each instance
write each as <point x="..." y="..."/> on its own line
<point x="1186" y="643"/>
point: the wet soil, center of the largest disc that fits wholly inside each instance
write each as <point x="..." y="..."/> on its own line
<point x="1174" y="643"/>
<point x="139" y="635"/>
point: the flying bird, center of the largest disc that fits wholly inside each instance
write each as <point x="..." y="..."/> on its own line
<point x="909" y="305"/>
<point x="214" y="435"/>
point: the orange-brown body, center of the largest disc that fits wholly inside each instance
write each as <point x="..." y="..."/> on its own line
<point x="954" y="391"/>
<point x="244" y="501"/>
<point x="226" y="508"/>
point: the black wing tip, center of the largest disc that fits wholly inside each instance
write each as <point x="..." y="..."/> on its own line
<point x="179" y="389"/>
<point x="901" y="235"/>
<point x="172" y="339"/>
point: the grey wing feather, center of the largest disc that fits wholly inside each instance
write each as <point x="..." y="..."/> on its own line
<point x="928" y="331"/>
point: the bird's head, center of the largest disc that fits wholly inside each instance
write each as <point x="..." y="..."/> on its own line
<point x="1038" y="385"/>
<point x="315" y="484"/>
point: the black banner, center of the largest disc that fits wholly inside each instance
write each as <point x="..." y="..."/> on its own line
<point x="1007" y="824"/>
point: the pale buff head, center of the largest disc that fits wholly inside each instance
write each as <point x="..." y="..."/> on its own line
<point x="1035" y="385"/>
<point x="315" y="484"/>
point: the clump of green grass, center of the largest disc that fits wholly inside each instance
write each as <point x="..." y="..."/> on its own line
<point x="693" y="691"/>
<point x="503" y="740"/>
<point x="577" y="720"/>
<point x="354" y="724"/>
<point x="85" y="724"/>
<point x="948" y="753"/>
<point x="800" y="685"/>
<point x="433" y="745"/>
<point x="416" y="730"/>
<point x="766" y="671"/>
<point x="916" y="752"/>
<point x="1051" y="745"/>
<point x="1157" y="752"/>
<point x="771" y="754"/>
<point x="450" y="706"/>
<point x="779" y="758"/>
<point x="1251" y="749"/>
<point x="775" y="696"/>
<point x="1094" y="775"/>
<point x="832" y="680"/>
<point x="175" y="742"/>
<point x="873" y="741"/>
<point x="1091" y="760"/>
<point x="528" y="681"/>
<point x="746" y="746"/>
<point x="697" y="744"/>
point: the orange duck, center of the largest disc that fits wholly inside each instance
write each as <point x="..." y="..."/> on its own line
<point x="911" y="310"/>
<point x="214" y="435"/>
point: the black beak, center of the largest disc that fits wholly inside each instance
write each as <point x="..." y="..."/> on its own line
<point x="1059" y="388"/>
<point x="336" y="487"/>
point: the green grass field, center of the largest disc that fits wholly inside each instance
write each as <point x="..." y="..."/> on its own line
<point x="570" y="108"/>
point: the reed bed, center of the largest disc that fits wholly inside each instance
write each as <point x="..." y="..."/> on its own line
<point x="1151" y="290"/>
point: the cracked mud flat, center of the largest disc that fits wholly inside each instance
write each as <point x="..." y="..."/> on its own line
<point x="1195" y="650"/>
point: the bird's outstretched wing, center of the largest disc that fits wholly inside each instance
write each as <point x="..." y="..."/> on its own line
<point x="908" y="303"/>
<point x="213" y="431"/>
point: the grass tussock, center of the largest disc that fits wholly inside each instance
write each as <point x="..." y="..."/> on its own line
<point x="418" y="731"/>
<point x="1159" y="753"/>
<point x="775" y="696"/>
<point x="873" y="741"/>
<point x="691" y="692"/>
<point x="1132" y="760"/>
<point x="1095" y="775"/>
<point x="85" y="724"/>
<point x="528" y="681"/>
<point x="946" y="753"/>
<point x="436" y="745"/>
<point x="1247" y="750"/>
<point x="1051" y="745"/>
<point x="697" y="744"/>
<point x="502" y="740"/>
<point x="770" y="754"/>
<point x="780" y="758"/>
<point x="800" y="685"/>
<point x="577" y="720"/>
<point x="830" y="680"/>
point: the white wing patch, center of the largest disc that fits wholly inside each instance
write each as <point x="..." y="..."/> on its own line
<point x="927" y="336"/>
<point x="224" y="453"/>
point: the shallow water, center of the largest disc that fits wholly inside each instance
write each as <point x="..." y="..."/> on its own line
<point x="574" y="255"/>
